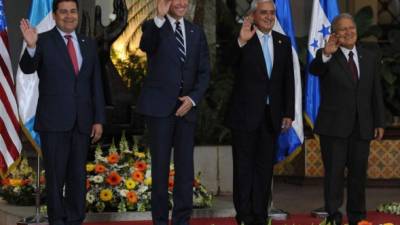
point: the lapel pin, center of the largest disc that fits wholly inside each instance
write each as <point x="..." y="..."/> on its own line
<point x="191" y="31"/>
<point x="279" y="41"/>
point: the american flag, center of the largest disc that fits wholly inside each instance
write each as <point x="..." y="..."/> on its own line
<point x="10" y="144"/>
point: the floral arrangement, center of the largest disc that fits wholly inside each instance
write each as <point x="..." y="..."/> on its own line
<point x="20" y="185"/>
<point x="121" y="180"/>
<point x="390" y="208"/>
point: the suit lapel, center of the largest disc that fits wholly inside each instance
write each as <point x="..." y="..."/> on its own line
<point x="277" y="42"/>
<point x="84" y="51"/>
<point x="256" y="49"/>
<point x="343" y="63"/>
<point x="60" y="43"/>
<point x="361" y="64"/>
<point x="189" y="39"/>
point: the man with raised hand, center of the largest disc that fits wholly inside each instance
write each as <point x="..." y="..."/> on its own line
<point x="262" y="106"/>
<point x="178" y="76"/>
<point x="350" y="115"/>
<point x="70" y="108"/>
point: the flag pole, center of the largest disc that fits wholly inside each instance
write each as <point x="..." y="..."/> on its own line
<point x="37" y="219"/>
<point x="275" y="213"/>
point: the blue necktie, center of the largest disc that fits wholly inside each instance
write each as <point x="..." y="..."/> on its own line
<point x="267" y="57"/>
<point x="180" y="42"/>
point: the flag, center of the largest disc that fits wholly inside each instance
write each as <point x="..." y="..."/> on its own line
<point x="10" y="144"/>
<point x="291" y="140"/>
<point x="323" y="13"/>
<point x="41" y="18"/>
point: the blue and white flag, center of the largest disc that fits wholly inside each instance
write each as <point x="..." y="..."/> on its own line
<point x="27" y="85"/>
<point x="291" y="140"/>
<point x="322" y="14"/>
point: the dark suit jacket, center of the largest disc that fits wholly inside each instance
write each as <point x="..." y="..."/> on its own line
<point x="251" y="86"/>
<point x="342" y="99"/>
<point x="161" y="87"/>
<point x="64" y="98"/>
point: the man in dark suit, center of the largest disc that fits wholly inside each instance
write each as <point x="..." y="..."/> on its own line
<point x="178" y="76"/>
<point x="262" y="106"/>
<point x="70" y="108"/>
<point x="351" y="113"/>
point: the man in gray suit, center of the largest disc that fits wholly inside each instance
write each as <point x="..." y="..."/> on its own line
<point x="350" y="115"/>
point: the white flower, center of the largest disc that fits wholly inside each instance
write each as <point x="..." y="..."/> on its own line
<point x="123" y="192"/>
<point x="148" y="173"/>
<point x="98" y="179"/>
<point x="112" y="17"/>
<point x="142" y="189"/>
<point x="17" y="189"/>
<point x="90" y="198"/>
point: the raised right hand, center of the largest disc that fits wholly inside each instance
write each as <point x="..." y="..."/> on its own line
<point x="332" y="45"/>
<point x="29" y="33"/>
<point x="246" y="32"/>
<point x="163" y="7"/>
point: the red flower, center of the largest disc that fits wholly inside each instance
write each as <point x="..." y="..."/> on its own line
<point x="26" y="182"/>
<point x="100" y="168"/>
<point x="140" y="165"/>
<point x="42" y="180"/>
<point x="5" y="181"/>
<point x="138" y="176"/>
<point x="171" y="183"/>
<point x="87" y="184"/>
<point x="364" y="222"/>
<point x="132" y="197"/>
<point x="113" y="158"/>
<point x="113" y="178"/>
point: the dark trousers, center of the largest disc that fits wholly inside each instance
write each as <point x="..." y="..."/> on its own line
<point x="253" y="158"/>
<point x="165" y="133"/>
<point x="64" y="157"/>
<point x="337" y="154"/>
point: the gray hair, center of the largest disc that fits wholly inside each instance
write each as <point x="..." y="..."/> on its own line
<point x="337" y="18"/>
<point x="254" y="3"/>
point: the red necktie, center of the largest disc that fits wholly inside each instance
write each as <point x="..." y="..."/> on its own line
<point x="72" y="53"/>
<point x="353" y="67"/>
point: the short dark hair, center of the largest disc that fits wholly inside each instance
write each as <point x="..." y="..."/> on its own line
<point x="56" y="2"/>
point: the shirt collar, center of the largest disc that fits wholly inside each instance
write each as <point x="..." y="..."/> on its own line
<point x="172" y="20"/>
<point x="346" y="51"/>
<point x="260" y="34"/>
<point x="62" y="33"/>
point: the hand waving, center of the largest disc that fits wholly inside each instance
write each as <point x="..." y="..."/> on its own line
<point x="332" y="45"/>
<point x="29" y="33"/>
<point x="246" y="32"/>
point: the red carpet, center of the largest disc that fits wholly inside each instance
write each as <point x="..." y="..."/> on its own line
<point x="298" y="219"/>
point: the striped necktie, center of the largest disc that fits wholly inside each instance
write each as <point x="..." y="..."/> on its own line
<point x="180" y="42"/>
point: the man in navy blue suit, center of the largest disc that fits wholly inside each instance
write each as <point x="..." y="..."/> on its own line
<point x="70" y="108"/>
<point x="178" y="76"/>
